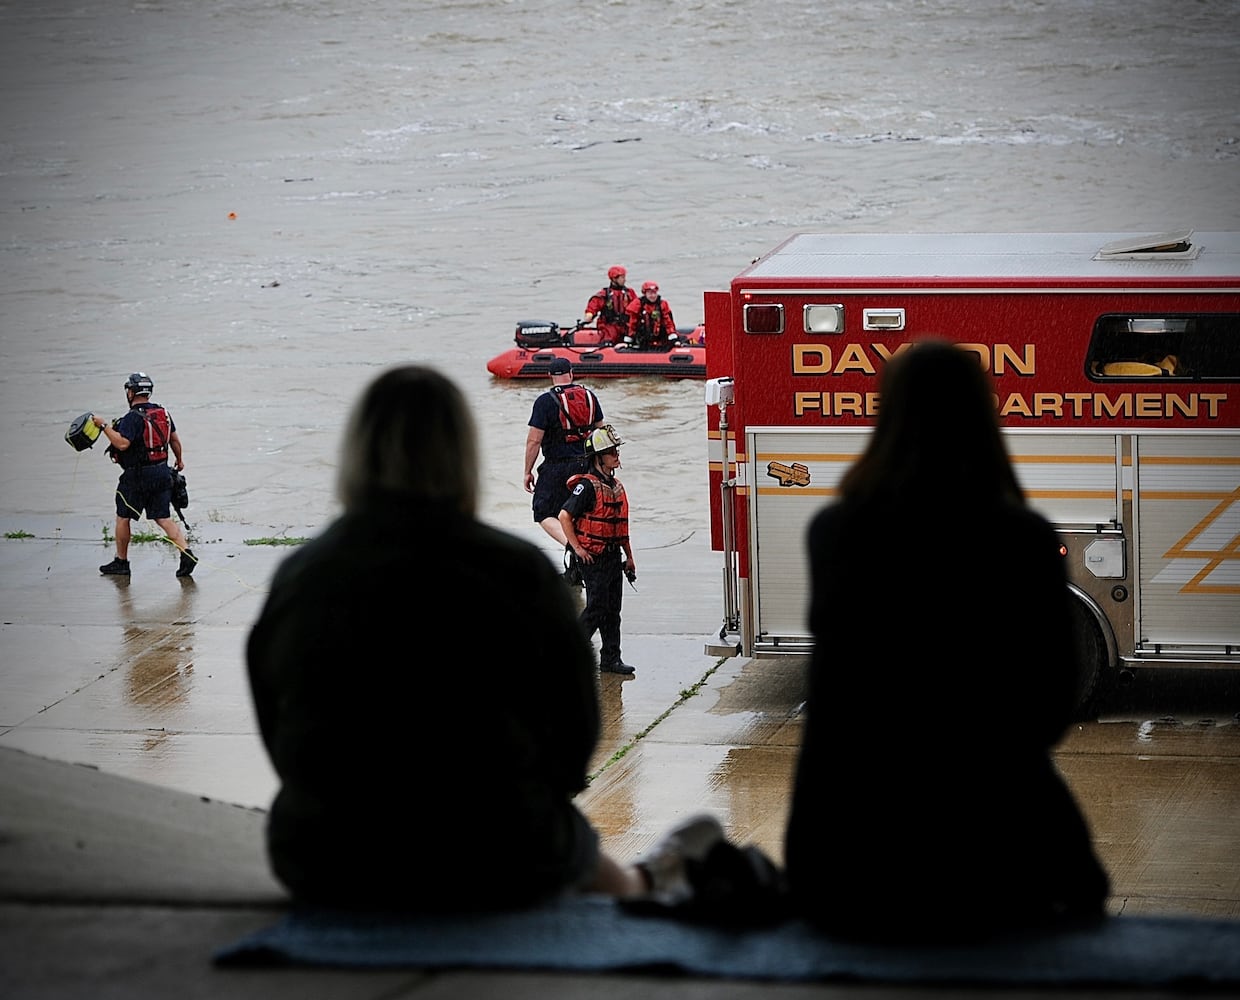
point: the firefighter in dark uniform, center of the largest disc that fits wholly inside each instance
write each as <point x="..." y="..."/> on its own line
<point x="595" y="518"/>
<point x="561" y="457"/>
<point x="139" y="442"/>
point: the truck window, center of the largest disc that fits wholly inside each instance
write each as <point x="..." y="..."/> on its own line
<point x="1196" y="347"/>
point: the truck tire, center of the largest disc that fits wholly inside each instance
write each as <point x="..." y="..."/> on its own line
<point x="1087" y="640"/>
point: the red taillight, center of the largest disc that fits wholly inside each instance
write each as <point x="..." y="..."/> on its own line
<point x="764" y="317"/>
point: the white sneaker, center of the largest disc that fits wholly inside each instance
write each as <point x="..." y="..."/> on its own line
<point x="665" y="865"/>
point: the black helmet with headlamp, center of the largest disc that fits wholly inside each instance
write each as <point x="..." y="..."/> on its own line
<point x="140" y="384"/>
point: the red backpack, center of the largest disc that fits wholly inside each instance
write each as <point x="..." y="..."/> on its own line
<point x="155" y="433"/>
<point x="578" y="410"/>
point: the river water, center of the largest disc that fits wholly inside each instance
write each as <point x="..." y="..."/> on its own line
<point x="264" y="203"/>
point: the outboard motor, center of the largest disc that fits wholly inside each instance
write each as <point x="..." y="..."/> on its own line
<point x="537" y="333"/>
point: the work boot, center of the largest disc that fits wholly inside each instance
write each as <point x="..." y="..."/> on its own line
<point x="188" y="562"/>
<point x="117" y="567"/>
<point x="619" y="667"/>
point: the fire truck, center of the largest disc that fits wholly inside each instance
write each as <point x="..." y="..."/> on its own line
<point x="1116" y="363"/>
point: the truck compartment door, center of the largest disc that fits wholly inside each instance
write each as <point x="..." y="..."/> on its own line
<point x="1187" y="501"/>
<point x="793" y="473"/>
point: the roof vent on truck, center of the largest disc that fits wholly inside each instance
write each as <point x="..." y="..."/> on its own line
<point x="1177" y="245"/>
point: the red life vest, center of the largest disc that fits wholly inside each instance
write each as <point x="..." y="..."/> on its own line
<point x="651" y="323"/>
<point x="607" y="522"/>
<point x="578" y="410"/>
<point x="616" y="301"/>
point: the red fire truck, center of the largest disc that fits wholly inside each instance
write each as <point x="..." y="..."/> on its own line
<point x="1116" y="359"/>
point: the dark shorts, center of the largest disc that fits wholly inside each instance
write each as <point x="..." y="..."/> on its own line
<point x="551" y="486"/>
<point x="147" y="487"/>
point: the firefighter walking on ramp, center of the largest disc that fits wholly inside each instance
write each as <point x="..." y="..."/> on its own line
<point x="560" y="421"/>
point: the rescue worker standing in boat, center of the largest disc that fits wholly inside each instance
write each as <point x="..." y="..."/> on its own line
<point x="609" y="307"/>
<point x="595" y="518"/>
<point x="651" y="326"/>
<point x="139" y="443"/>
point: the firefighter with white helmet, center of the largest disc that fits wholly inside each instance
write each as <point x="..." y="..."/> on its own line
<point x="595" y="518"/>
<point x="603" y="439"/>
<point x="610" y="307"/>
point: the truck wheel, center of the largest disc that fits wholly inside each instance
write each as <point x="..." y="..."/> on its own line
<point x="1090" y="658"/>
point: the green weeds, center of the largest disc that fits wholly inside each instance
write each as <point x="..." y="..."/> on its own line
<point x="685" y="695"/>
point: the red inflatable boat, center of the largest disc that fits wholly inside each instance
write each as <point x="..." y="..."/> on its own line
<point x="538" y="343"/>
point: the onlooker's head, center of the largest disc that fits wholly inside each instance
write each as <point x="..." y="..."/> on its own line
<point x="411" y="434"/>
<point x="937" y="436"/>
<point x="560" y="370"/>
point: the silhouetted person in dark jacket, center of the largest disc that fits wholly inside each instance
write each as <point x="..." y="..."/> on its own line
<point x="926" y="803"/>
<point x="417" y="770"/>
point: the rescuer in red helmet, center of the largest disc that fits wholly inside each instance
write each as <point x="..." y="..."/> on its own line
<point x="651" y="327"/>
<point x="609" y="306"/>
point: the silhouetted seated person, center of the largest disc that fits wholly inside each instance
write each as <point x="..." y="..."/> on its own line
<point x="926" y="804"/>
<point x="418" y="768"/>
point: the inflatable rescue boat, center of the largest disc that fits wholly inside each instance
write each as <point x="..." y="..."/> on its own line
<point x="538" y="343"/>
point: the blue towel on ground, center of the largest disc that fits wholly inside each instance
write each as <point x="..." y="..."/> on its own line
<point x="594" y="934"/>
